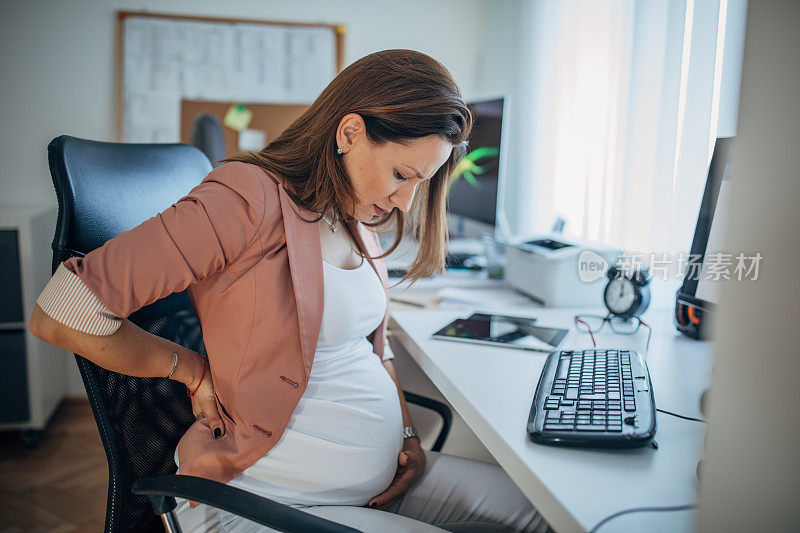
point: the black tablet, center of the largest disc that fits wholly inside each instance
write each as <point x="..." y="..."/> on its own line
<point x="501" y="330"/>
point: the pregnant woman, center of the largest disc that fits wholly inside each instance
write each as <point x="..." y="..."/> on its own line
<point x="298" y="400"/>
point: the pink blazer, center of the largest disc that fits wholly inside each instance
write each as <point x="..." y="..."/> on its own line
<point x="252" y="262"/>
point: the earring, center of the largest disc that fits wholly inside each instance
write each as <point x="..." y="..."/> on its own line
<point x="339" y="150"/>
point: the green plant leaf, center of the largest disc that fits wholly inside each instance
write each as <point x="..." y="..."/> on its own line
<point x="468" y="168"/>
<point x="470" y="177"/>
<point x="462" y="166"/>
<point x="482" y="152"/>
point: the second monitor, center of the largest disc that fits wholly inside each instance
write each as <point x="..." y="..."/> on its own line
<point x="475" y="196"/>
<point x="474" y="201"/>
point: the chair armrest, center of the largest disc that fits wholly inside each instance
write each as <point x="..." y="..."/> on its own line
<point x="439" y="407"/>
<point x="162" y="491"/>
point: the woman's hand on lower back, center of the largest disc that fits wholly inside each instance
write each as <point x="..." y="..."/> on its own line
<point x="204" y="403"/>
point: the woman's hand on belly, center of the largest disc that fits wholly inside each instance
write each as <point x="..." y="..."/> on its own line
<point x="411" y="465"/>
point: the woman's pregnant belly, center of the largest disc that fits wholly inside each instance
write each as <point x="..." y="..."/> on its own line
<point x="341" y="444"/>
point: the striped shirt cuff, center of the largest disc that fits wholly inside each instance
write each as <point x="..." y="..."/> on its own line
<point x="67" y="299"/>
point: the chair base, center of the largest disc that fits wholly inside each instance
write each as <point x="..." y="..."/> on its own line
<point x="170" y="522"/>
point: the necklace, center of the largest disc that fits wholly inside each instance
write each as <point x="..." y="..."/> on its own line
<point x="333" y="225"/>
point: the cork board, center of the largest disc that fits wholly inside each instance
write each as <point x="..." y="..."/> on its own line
<point x="269" y="118"/>
<point x="163" y="59"/>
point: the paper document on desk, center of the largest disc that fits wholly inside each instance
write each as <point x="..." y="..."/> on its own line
<point x="483" y="297"/>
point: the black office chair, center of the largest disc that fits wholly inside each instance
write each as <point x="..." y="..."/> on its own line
<point x="104" y="189"/>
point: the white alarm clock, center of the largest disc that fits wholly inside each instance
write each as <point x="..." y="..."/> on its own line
<point x="626" y="295"/>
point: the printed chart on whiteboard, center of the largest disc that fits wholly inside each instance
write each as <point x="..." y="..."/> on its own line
<point x="164" y="61"/>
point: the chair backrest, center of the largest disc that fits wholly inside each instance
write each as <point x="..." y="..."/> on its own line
<point x="104" y="189"/>
<point x="209" y="137"/>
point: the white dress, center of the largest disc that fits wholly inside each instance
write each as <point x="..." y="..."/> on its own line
<point x="341" y="444"/>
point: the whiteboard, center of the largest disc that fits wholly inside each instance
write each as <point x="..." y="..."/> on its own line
<point x="166" y="59"/>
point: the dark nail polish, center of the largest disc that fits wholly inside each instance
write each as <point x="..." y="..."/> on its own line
<point x="217" y="433"/>
<point x="373" y="505"/>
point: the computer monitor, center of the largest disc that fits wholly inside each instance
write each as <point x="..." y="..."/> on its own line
<point x="475" y="196"/>
<point x="699" y="292"/>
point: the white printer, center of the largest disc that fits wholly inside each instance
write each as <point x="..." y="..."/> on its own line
<point x="558" y="272"/>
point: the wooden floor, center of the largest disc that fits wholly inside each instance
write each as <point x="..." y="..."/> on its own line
<point x="60" y="485"/>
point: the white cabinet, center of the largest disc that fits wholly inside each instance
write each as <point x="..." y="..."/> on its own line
<point x="33" y="373"/>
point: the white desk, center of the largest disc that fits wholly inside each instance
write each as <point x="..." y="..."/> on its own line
<point x="492" y="390"/>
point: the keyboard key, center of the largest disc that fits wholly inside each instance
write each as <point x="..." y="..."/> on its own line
<point x="572" y="393"/>
<point x="590" y="427"/>
<point x="563" y="368"/>
<point x="593" y="396"/>
<point x="558" y="427"/>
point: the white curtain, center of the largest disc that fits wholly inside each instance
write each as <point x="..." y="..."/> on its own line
<point x="626" y="99"/>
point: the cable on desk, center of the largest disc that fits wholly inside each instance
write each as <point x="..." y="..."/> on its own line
<point x="682" y="416"/>
<point x="643" y="510"/>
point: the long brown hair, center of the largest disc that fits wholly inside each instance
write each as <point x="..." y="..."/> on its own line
<point x="401" y="95"/>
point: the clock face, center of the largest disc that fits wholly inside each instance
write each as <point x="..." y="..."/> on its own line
<point x="620" y="295"/>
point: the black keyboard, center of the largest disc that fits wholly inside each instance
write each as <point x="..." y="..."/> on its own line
<point x="598" y="398"/>
<point x="456" y="260"/>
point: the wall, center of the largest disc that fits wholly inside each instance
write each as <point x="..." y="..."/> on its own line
<point x="509" y="43"/>
<point x="58" y="61"/>
<point x="750" y="480"/>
